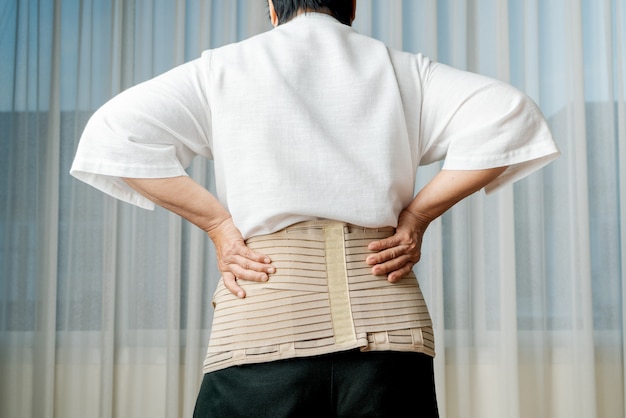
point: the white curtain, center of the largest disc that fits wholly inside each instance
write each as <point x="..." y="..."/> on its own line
<point x="105" y="310"/>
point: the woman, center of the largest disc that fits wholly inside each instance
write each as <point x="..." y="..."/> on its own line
<point x="316" y="132"/>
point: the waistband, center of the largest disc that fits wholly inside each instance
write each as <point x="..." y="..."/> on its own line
<point x="322" y="299"/>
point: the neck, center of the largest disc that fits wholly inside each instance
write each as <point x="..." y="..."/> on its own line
<point x="309" y="10"/>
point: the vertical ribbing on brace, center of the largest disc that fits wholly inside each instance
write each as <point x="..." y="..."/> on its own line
<point x="341" y="313"/>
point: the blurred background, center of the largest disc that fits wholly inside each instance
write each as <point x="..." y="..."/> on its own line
<point x="105" y="309"/>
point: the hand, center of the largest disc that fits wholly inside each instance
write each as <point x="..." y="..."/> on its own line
<point x="236" y="260"/>
<point x="397" y="254"/>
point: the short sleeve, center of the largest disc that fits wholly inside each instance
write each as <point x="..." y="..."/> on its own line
<point x="151" y="130"/>
<point x="474" y="122"/>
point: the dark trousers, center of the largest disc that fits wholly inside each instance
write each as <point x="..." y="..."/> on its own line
<point x="349" y="384"/>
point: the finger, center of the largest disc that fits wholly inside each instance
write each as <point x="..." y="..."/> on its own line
<point x="228" y="251"/>
<point x="248" y="264"/>
<point x="396" y="276"/>
<point x="386" y="255"/>
<point x="243" y="273"/>
<point x="255" y="256"/>
<point x="397" y="272"/>
<point x="391" y="265"/>
<point x="230" y="282"/>
<point x="247" y="259"/>
<point x="383" y="244"/>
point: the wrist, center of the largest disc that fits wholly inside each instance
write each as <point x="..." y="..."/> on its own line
<point x="418" y="220"/>
<point x="218" y="225"/>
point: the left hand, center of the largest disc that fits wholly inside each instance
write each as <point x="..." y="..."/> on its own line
<point x="397" y="254"/>
<point x="236" y="260"/>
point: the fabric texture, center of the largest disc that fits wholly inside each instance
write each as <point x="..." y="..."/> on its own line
<point x="308" y="307"/>
<point x="349" y="384"/>
<point x="106" y="308"/>
<point x="269" y="108"/>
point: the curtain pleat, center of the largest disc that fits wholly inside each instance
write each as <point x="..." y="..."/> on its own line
<point x="105" y="309"/>
<point x="618" y="12"/>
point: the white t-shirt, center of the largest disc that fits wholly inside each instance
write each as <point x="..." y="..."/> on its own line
<point x="311" y="120"/>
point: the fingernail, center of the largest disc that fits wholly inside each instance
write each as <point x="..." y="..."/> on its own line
<point x="240" y="294"/>
<point x="271" y="270"/>
<point x="264" y="278"/>
<point x="267" y="260"/>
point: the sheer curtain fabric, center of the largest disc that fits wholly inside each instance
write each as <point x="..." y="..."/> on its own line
<point x="105" y="309"/>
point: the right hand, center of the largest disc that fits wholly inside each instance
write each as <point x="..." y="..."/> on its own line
<point x="395" y="256"/>
<point x="236" y="260"/>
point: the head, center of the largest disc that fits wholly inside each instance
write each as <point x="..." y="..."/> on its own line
<point x="282" y="11"/>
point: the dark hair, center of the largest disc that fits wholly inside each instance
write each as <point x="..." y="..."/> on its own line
<point x="339" y="9"/>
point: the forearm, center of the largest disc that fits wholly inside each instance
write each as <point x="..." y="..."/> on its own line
<point x="395" y="256"/>
<point x="183" y="196"/>
<point x="446" y="189"/>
